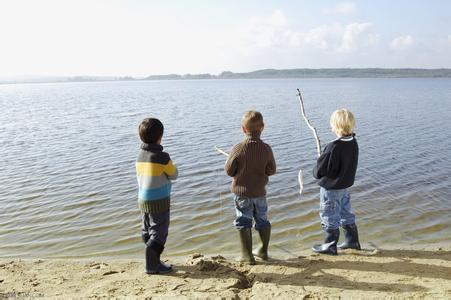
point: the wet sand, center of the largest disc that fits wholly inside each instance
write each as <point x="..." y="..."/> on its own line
<point x="352" y="274"/>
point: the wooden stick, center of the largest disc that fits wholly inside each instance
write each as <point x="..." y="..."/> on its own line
<point x="221" y="151"/>
<point x="315" y="134"/>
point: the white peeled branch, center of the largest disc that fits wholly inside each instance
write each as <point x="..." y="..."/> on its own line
<point x="315" y="134"/>
<point x="221" y="151"/>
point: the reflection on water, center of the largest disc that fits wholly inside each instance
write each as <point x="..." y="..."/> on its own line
<point x="68" y="187"/>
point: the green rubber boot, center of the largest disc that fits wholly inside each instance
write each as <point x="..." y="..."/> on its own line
<point x="246" y="246"/>
<point x="265" y="235"/>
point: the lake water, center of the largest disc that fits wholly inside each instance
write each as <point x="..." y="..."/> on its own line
<point x="67" y="173"/>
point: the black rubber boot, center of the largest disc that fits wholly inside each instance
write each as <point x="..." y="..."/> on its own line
<point x="330" y="242"/>
<point x="265" y="235"/>
<point x="351" y="238"/>
<point x="145" y="237"/>
<point x="151" y="260"/>
<point x="153" y="263"/>
<point x="162" y="267"/>
<point x="246" y="246"/>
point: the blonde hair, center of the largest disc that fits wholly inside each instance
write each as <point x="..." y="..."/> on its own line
<point x="342" y="122"/>
<point x="252" y="121"/>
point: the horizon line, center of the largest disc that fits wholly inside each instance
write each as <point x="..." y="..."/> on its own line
<point x="256" y="74"/>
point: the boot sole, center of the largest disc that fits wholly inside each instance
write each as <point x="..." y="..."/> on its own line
<point x="158" y="272"/>
<point x="249" y="262"/>
<point x="348" y="247"/>
<point x="318" y="249"/>
<point x="265" y="258"/>
<point x="326" y="253"/>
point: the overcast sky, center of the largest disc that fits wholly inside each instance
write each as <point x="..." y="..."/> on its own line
<point x="144" y="37"/>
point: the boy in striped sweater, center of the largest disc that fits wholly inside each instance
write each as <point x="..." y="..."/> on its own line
<point x="250" y="163"/>
<point x="154" y="171"/>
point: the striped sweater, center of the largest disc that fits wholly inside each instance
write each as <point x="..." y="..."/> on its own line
<point x="154" y="171"/>
<point x="250" y="163"/>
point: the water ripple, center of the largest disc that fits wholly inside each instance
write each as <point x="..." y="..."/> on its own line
<point x="67" y="170"/>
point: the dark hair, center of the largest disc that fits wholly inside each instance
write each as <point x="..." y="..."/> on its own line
<point x="150" y="130"/>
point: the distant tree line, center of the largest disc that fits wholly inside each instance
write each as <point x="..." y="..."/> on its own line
<point x="266" y="73"/>
<point x="313" y="73"/>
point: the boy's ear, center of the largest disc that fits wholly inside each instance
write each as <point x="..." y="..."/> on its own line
<point x="244" y="129"/>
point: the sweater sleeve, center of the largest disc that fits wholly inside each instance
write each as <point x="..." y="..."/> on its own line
<point x="231" y="165"/>
<point x="171" y="170"/>
<point x="271" y="165"/>
<point x="327" y="164"/>
<point x="320" y="170"/>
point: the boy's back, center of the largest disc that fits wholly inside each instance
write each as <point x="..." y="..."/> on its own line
<point x="154" y="170"/>
<point x="250" y="163"/>
<point x="336" y="169"/>
<point x="337" y="166"/>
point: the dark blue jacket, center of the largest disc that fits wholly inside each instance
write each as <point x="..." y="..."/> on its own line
<point x="337" y="165"/>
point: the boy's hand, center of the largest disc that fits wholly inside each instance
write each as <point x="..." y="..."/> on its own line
<point x="171" y="170"/>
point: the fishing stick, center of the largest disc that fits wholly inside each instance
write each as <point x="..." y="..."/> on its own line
<point x="221" y="151"/>
<point x="315" y="134"/>
<point x="225" y="154"/>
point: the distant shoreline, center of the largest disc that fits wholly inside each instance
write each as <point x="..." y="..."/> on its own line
<point x="259" y="74"/>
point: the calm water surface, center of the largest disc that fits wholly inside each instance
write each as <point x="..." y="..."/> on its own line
<point x="68" y="187"/>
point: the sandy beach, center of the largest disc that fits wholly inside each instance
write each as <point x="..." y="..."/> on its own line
<point x="353" y="274"/>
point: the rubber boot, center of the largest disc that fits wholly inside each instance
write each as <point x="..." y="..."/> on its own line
<point x="162" y="267"/>
<point x="246" y="246"/>
<point x="330" y="242"/>
<point x="265" y="235"/>
<point x="151" y="260"/>
<point x="351" y="238"/>
<point x="153" y="263"/>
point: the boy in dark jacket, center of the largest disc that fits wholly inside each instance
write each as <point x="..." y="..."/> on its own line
<point x="336" y="169"/>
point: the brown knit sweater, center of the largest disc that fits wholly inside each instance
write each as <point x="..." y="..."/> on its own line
<point x="250" y="163"/>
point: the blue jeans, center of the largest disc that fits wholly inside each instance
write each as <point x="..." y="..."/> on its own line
<point x="335" y="208"/>
<point x="251" y="208"/>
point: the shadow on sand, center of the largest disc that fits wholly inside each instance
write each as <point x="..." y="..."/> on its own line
<point x="315" y="271"/>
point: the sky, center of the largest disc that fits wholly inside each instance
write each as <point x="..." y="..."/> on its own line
<point x="146" y="37"/>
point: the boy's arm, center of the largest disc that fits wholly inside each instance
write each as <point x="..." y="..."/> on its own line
<point x="271" y="165"/>
<point x="231" y="165"/>
<point x="171" y="170"/>
<point x="320" y="170"/>
<point x="327" y="164"/>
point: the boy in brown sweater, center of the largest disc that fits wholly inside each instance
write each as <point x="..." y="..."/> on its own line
<point x="250" y="163"/>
